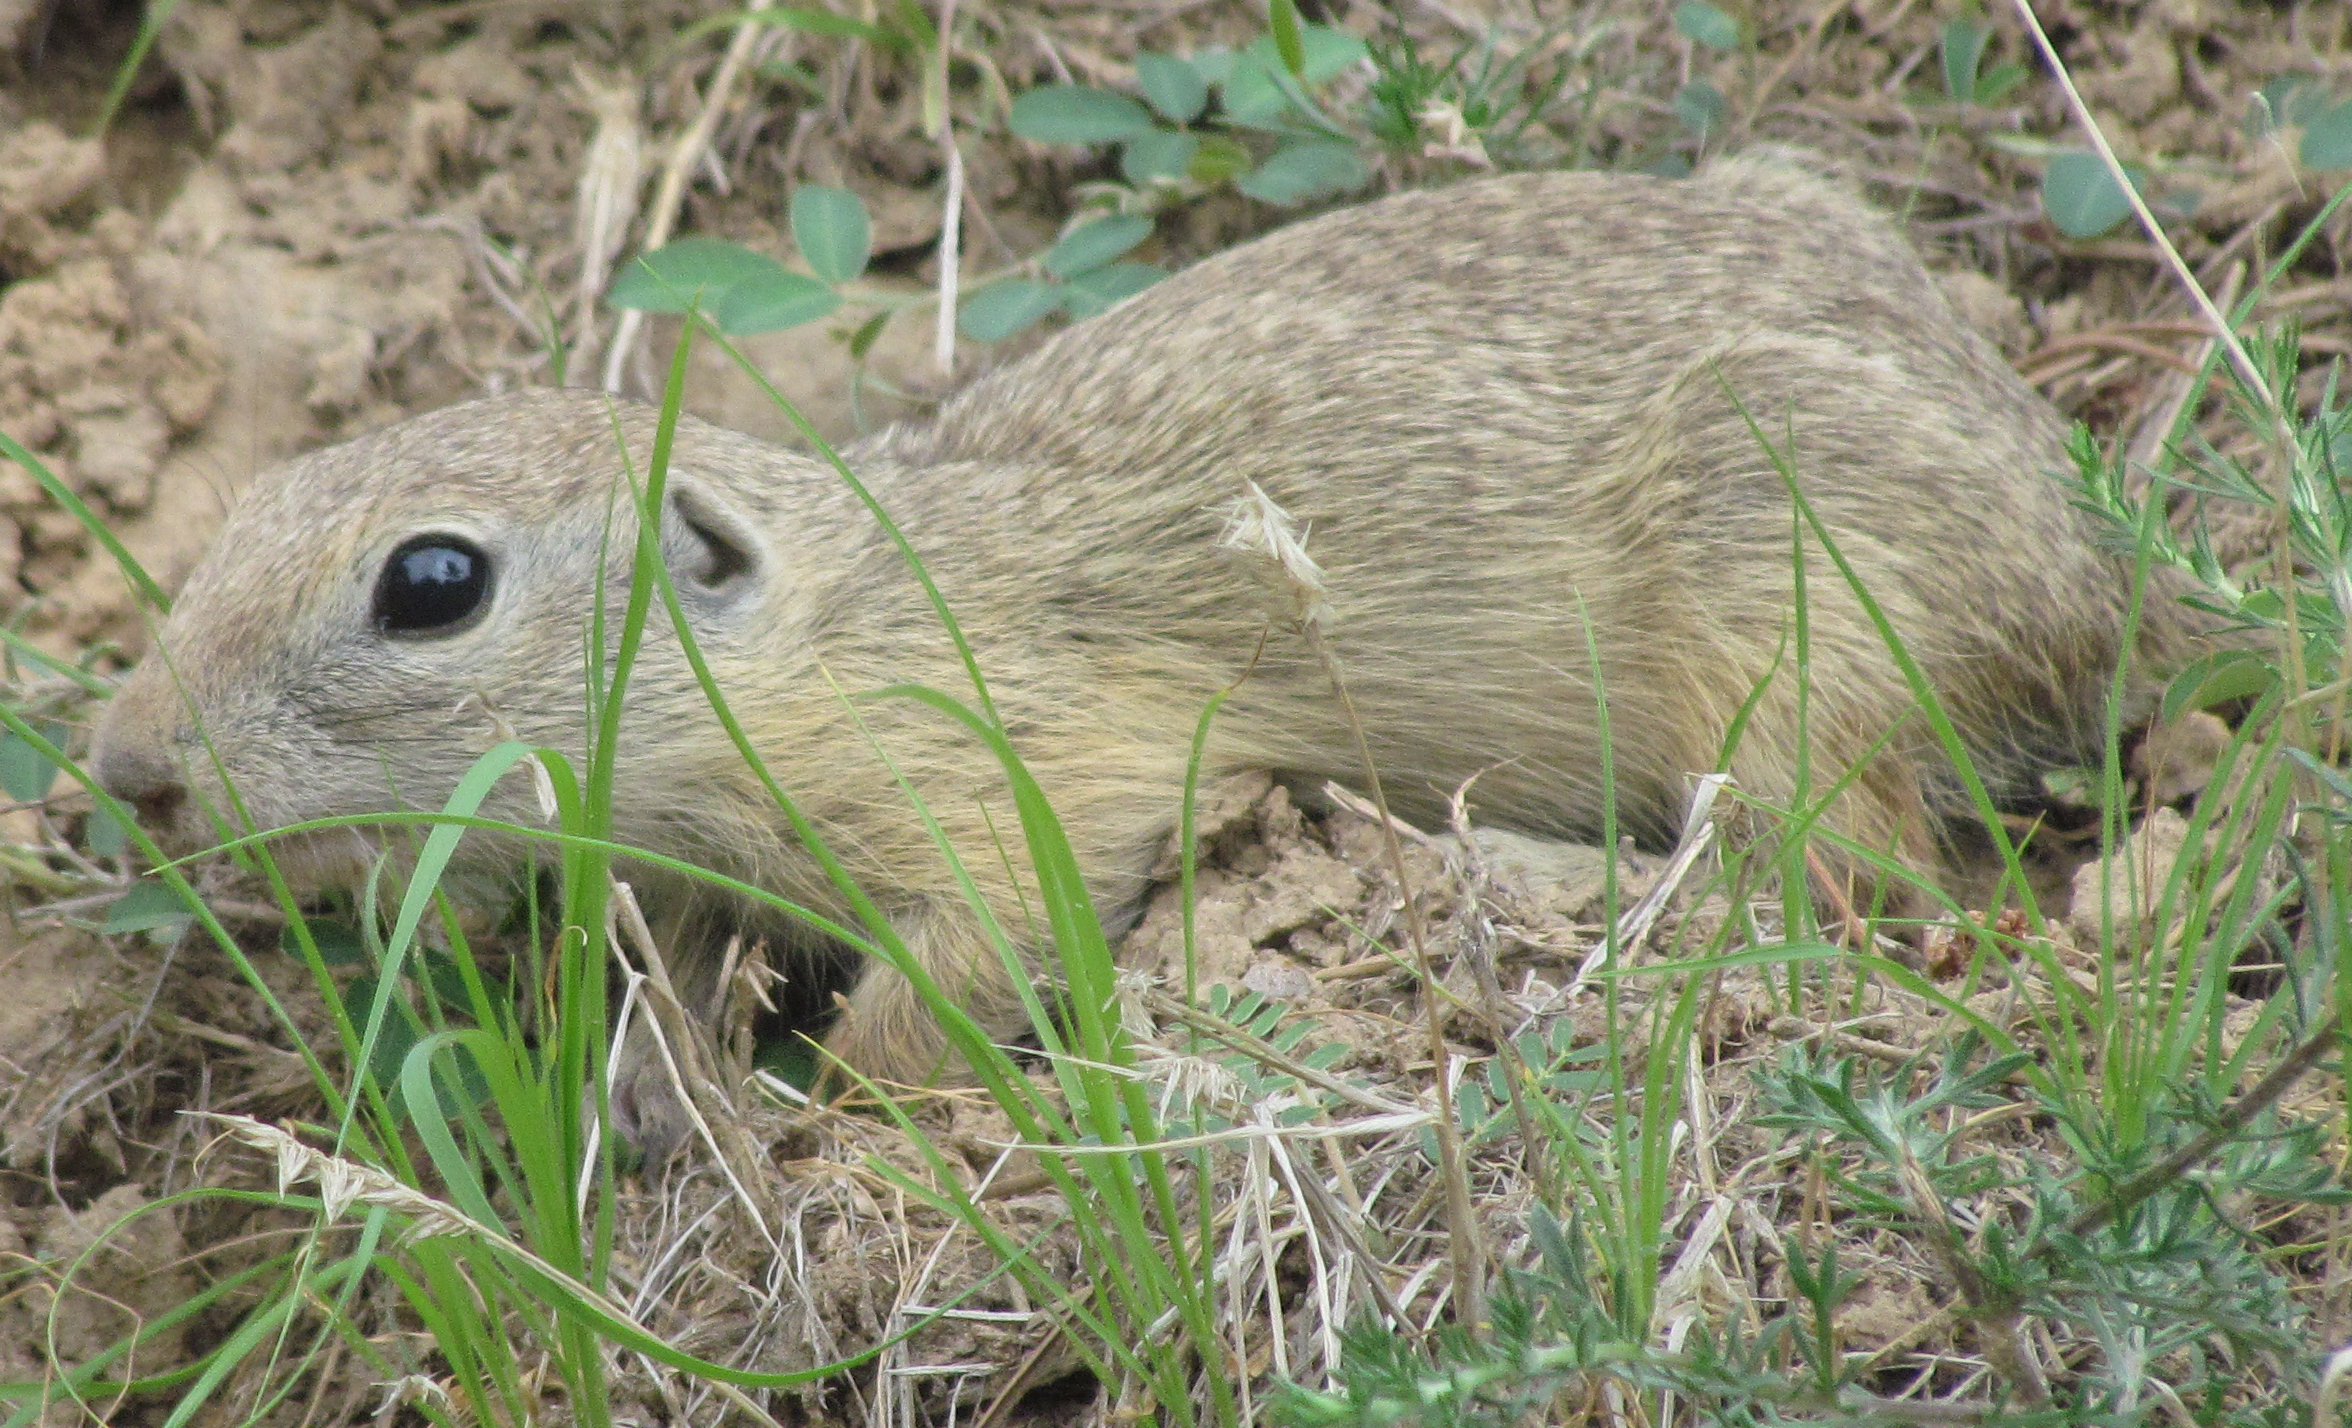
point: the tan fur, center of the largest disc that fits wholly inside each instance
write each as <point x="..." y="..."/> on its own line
<point x="1501" y="410"/>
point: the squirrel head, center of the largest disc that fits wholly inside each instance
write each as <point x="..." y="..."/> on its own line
<point x="376" y="616"/>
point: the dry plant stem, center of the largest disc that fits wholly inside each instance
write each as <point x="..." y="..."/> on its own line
<point x="1857" y="936"/>
<point x="741" y="1000"/>
<point x="611" y="174"/>
<point x="1803" y="49"/>
<point x="683" y="1034"/>
<point x="2273" y="1085"/>
<point x="1698" y="835"/>
<point x="1348" y="1227"/>
<point x="705" y="1099"/>
<point x="950" y="255"/>
<point x="1019" y="1383"/>
<point x="1218" y="1029"/>
<point x="1467" y="1254"/>
<point x="952" y="209"/>
<point x="2240" y="360"/>
<point x="684" y="155"/>
<point x="1479" y="946"/>
<point x="2007" y="1347"/>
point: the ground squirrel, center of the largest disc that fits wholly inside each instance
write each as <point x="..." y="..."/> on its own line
<point x="1502" y="409"/>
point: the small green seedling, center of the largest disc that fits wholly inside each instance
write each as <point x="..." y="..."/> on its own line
<point x="26" y="772"/>
<point x="1701" y="107"/>
<point x="2082" y="197"/>
<point x="1965" y="79"/>
<point x="1495" y="100"/>
<point x="744" y="292"/>
<point x="1254" y="1082"/>
<point x="149" y="907"/>
<point x="1081" y="275"/>
<point x="430" y="993"/>
<point x="1705" y="24"/>
<point x="2327" y="139"/>
<point x="1182" y="139"/>
<point x="2299" y="101"/>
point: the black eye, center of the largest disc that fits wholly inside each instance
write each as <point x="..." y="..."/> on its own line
<point x="432" y="585"/>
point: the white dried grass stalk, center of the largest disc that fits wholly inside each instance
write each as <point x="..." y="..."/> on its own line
<point x="2248" y="371"/>
<point x="951" y="229"/>
<point x="1321" y="1269"/>
<point x="685" y="155"/>
<point x="611" y="174"/>
<point x="1698" y="834"/>
<point x="951" y="214"/>
<point x="2331" y="1385"/>
<point x="623" y="913"/>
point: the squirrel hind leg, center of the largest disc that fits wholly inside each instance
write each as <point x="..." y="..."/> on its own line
<point x="888" y="1032"/>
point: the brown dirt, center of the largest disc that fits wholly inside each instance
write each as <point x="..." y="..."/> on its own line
<point x="314" y="218"/>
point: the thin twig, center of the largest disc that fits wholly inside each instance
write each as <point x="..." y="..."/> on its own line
<point x="670" y="196"/>
<point x="696" y="1081"/>
<point x="1478" y="950"/>
<point x="2239" y="357"/>
<point x="952" y="206"/>
<point x="2225" y="1127"/>
<point x="1469" y="1254"/>
<point x="1857" y="935"/>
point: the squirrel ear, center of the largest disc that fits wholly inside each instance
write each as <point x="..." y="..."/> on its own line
<point x="706" y="544"/>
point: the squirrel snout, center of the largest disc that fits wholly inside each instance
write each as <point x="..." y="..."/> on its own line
<point x="150" y="783"/>
<point x="135" y="760"/>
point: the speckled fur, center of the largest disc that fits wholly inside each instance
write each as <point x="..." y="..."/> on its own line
<point x="1500" y="409"/>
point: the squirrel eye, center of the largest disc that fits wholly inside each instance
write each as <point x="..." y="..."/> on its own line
<point x="431" y="585"/>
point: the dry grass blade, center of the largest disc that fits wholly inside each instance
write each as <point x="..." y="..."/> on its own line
<point x="951" y="205"/>
<point x="611" y="174"/>
<point x="2240" y="360"/>
<point x="687" y="1054"/>
<point x="670" y="194"/>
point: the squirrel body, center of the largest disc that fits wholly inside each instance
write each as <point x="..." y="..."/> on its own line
<point x="1529" y="424"/>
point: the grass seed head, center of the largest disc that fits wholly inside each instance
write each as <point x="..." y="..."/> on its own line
<point x="1261" y="537"/>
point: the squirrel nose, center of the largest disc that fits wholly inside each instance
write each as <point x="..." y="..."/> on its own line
<point x="149" y="783"/>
